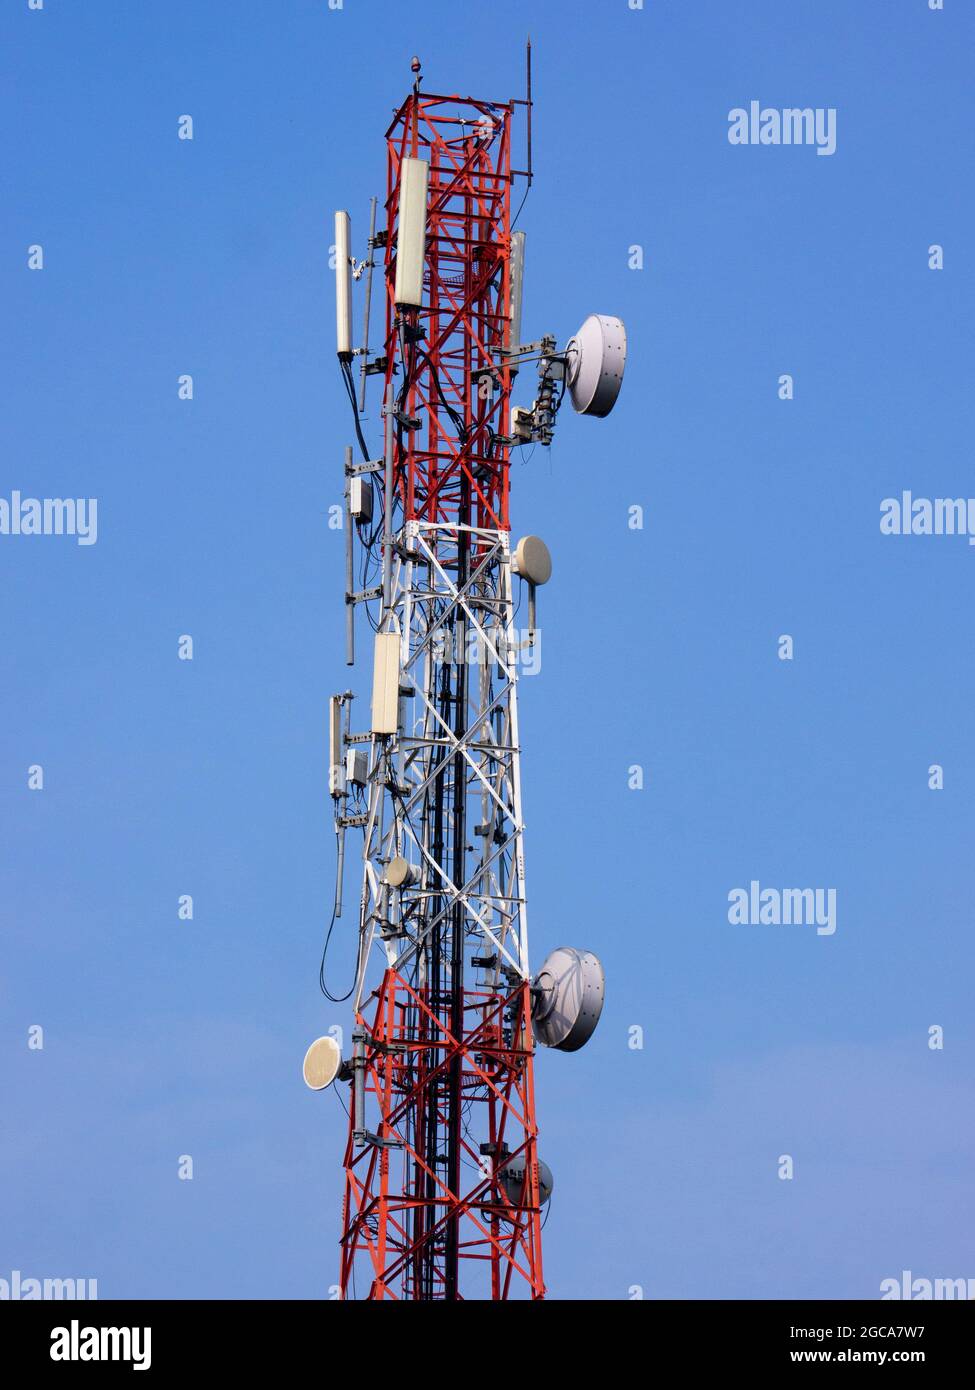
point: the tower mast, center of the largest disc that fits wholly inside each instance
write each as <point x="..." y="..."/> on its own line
<point x="444" y="1188"/>
<point x="444" y="1060"/>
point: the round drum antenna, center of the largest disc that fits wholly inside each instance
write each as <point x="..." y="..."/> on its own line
<point x="595" y="359"/>
<point x="567" y="995"/>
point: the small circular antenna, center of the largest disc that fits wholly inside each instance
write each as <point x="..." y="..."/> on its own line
<point x="532" y="561"/>
<point x="567" y="995"/>
<point x="321" y="1064"/>
<point x="512" y="1177"/>
<point x="400" y="873"/>
<point x="596" y="357"/>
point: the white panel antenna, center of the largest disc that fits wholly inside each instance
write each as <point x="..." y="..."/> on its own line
<point x="411" y="235"/>
<point x="343" y="286"/>
<point x="517" y="291"/>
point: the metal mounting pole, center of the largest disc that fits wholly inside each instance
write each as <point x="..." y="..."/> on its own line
<point x="370" y="246"/>
<point x="388" y="499"/>
<point x="349" y="564"/>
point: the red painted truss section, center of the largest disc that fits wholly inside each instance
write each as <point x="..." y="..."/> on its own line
<point x="454" y="467"/>
<point x="398" y="1207"/>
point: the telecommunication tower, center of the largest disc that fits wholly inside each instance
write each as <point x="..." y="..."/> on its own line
<point x="444" y="1187"/>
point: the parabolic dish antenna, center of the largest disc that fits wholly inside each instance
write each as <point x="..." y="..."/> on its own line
<point x="322" y="1061"/>
<point x="512" y="1177"/>
<point x="400" y="872"/>
<point x="567" y="995"/>
<point x="532" y="561"/>
<point x="595" y="359"/>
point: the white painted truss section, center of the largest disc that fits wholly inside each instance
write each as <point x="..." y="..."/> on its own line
<point x="457" y="735"/>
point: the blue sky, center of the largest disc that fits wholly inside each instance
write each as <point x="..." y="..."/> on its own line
<point x="163" y="777"/>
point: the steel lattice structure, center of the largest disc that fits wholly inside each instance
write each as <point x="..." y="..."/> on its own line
<point x="445" y="1110"/>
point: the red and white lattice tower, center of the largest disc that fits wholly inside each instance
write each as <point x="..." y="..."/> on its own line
<point x="443" y="1186"/>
